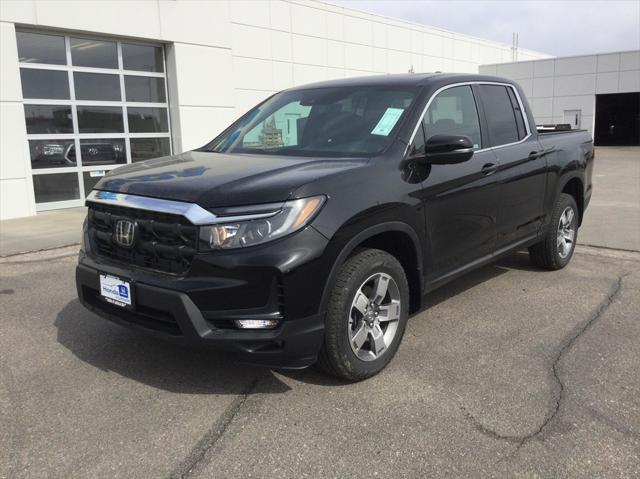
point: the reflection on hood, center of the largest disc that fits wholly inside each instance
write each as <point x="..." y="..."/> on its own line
<point x="216" y="179"/>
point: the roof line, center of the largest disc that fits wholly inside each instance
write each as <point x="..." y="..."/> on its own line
<point x="422" y="26"/>
<point x="562" y="58"/>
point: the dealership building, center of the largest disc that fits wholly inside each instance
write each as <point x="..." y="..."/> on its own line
<point x="600" y="93"/>
<point x="87" y="86"/>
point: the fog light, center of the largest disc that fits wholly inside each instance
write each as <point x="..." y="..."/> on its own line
<point x="256" y="323"/>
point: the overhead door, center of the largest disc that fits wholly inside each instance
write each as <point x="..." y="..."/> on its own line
<point x="90" y="105"/>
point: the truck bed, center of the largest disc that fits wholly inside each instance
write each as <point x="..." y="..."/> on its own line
<point x="560" y="138"/>
<point x="545" y="133"/>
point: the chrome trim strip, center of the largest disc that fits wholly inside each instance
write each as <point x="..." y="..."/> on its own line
<point x="196" y="214"/>
<point x="453" y="85"/>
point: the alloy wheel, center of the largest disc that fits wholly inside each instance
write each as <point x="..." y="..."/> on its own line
<point x="566" y="232"/>
<point x="374" y="316"/>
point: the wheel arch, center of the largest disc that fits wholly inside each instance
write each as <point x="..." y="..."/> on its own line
<point x="574" y="186"/>
<point x="396" y="238"/>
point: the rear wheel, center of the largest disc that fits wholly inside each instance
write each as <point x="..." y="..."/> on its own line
<point x="366" y="316"/>
<point x="556" y="249"/>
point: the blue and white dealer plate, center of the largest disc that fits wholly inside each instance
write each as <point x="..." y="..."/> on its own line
<point x="115" y="291"/>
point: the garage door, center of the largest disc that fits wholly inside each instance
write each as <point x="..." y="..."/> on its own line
<point x="90" y="105"/>
<point x="618" y="119"/>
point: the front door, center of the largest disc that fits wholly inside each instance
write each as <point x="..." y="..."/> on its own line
<point x="461" y="200"/>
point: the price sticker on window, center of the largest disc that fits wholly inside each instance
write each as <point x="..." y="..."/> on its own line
<point x="387" y="122"/>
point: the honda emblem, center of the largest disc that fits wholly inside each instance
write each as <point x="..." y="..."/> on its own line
<point x="124" y="233"/>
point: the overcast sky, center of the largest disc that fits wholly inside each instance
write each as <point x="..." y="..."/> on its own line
<point x="558" y="27"/>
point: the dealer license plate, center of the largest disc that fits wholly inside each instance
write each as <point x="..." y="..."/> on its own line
<point x="115" y="291"/>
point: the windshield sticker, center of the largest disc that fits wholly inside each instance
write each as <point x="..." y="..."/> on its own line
<point x="387" y="122"/>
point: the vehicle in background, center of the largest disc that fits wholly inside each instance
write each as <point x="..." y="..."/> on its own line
<point x="51" y="154"/>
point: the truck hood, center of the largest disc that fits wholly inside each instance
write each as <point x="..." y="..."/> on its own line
<point x="215" y="179"/>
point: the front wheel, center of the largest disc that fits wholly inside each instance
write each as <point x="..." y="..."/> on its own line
<point x="557" y="247"/>
<point x="366" y="316"/>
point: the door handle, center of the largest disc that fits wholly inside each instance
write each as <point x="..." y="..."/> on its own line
<point x="489" y="168"/>
<point x="534" y="155"/>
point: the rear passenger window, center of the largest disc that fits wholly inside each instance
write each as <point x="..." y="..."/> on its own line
<point x="505" y="123"/>
<point x="454" y="112"/>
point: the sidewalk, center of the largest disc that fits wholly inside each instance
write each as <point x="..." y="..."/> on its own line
<point x="50" y="229"/>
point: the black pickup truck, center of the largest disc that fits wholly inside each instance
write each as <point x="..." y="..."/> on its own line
<point x="310" y="229"/>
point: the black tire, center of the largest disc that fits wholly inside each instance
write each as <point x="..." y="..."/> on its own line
<point x="337" y="356"/>
<point x="546" y="254"/>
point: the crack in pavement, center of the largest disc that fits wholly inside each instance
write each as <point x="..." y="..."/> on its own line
<point x="611" y="248"/>
<point x="565" y="347"/>
<point x="37" y="260"/>
<point x="478" y="426"/>
<point x="622" y="429"/>
<point x="213" y="435"/>
<point x="614" y="291"/>
<point x="36" y="251"/>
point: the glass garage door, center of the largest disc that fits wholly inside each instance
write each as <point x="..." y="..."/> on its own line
<point x="90" y="105"/>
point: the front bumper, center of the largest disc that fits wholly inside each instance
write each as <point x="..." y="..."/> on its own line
<point x="172" y="315"/>
<point x="283" y="280"/>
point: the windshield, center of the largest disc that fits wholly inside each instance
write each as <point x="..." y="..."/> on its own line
<point x="336" y="122"/>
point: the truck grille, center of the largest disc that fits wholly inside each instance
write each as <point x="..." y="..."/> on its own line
<point x="163" y="241"/>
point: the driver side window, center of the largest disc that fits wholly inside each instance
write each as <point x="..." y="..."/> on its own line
<point x="453" y="112"/>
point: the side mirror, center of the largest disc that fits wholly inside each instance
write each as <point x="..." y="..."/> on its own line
<point x="448" y="149"/>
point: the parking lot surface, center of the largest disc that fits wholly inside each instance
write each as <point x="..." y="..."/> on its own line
<point x="510" y="372"/>
<point x="613" y="217"/>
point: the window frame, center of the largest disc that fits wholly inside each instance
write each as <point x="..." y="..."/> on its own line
<point x="517" y="113"/>
<point x="481" y="112"/>
<point x="510" y="105"/>
<point x="397" y="130"/>
<point x="72" y="102"/>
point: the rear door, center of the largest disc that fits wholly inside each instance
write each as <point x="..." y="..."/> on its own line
<point x="461" y="200"/>
<point x="522" y="168"/>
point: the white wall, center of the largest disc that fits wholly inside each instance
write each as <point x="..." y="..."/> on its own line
<point x="275" y="45"/>
<point x="571" y="83"/>
<point x="225" y="56"/>
<point x="16" y="188"/>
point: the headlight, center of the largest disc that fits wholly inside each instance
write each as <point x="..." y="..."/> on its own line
<point x="294" y="215"/>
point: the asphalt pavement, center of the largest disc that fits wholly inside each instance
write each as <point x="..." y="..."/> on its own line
<point x="509" y="372"/>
